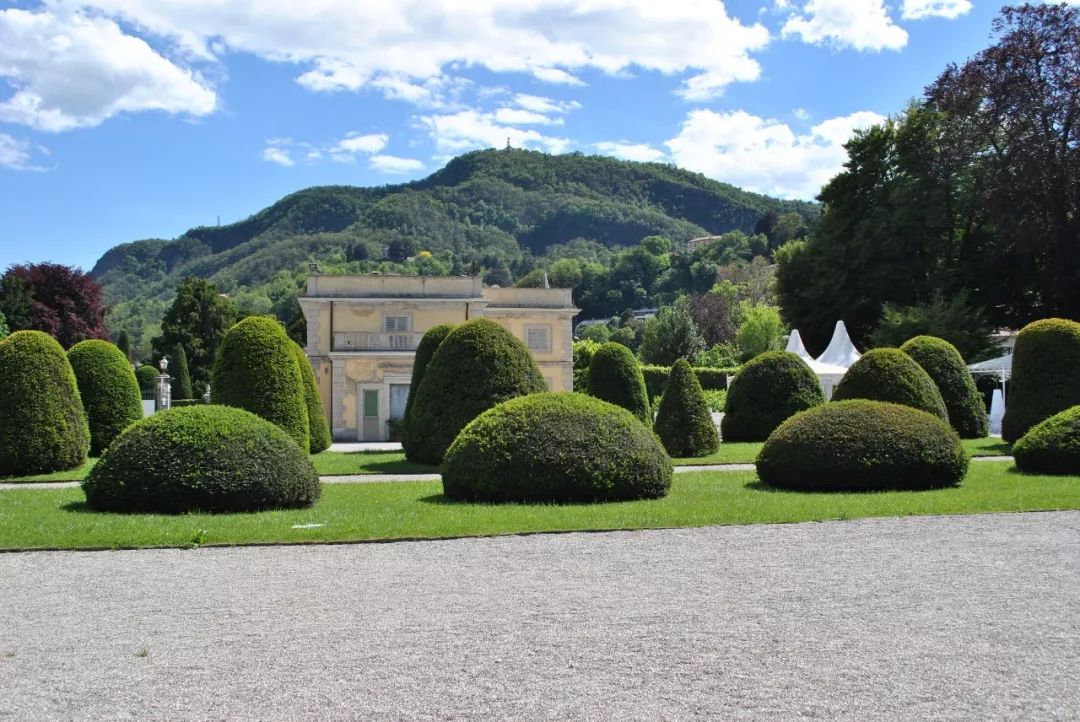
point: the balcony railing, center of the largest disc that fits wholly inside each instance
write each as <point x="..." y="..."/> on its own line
<point x="366" y="341"/>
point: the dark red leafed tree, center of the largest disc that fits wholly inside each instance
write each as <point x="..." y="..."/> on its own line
<point x="64" y="301"/>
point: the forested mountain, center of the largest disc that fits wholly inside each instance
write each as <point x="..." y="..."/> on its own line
<point x="494" y="212"/>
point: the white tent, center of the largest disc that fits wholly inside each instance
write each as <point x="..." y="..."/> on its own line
<point x="840" y="351"/>
<point x="828" y="374"/>
<point x="1000" y="367"/>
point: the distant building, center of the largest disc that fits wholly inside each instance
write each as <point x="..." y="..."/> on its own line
<point x="695" y="243"/>
<point x="363" y="332"/>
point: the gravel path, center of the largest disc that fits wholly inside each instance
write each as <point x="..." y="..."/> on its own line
<point x="939" y="618"/>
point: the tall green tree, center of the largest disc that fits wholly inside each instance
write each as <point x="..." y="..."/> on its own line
<point x="178" y="369"/>
<point x="123" y="342"/>
<point x="197" y="322"/>
<point x="671" y="335"/>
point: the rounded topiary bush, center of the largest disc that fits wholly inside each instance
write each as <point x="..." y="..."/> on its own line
<point x="1045" y="375"/>
<point x="889" y="374"/>
<point x="1051" y="446"/>
<point x="147" y="378"/>
<point x="318" y="428"/>
<point x="862" y="446"/>
<point x="478" y="365"/>
<point x="766" y="391"/>
<point x="556" y="447"/>
<point x="110" y="394"/>
<point x="256" y="370"/>
<point x="615" y="376"/>
<point x="946" y="367"/>
<point x="42" y="424"/>
<point x="202" y="458"/>
<point x="683" y="422"/>
<point x="429" y="343"/>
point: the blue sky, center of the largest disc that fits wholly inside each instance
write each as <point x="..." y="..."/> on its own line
<point x="129" y="119"/>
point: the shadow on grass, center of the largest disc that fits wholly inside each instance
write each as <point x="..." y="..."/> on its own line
<point x="1001" y="448"/>
<point x="399" y="467"/>
<point x="763" y="487"/>
<point x="443" y="500"/>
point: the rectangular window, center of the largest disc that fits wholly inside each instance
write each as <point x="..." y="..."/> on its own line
<point x="396" y="324"/>
<point x="371" y="404"/>
<point x="538" y="338"/>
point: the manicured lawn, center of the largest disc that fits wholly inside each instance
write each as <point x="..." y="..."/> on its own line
<point x="746" y="452"/>
<point x="352" y="512"/>
<point x="336" y="463"/>
<point x="77" y="474"/>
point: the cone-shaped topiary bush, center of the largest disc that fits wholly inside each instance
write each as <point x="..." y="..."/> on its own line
<point x="429" y="343"/>
<point x="766" y="391"/>
<point x="683" y="421"/>
<point x="202" y="458"/>
<point x="109" y="391"/>
<point x="256" y="370"/>
<point x="318" y="428"/>
<point x="478" y="365"/>
<point x="1045" y="375"/>
<point x="889" y="374"/>
<point x="1051" y="446"/>
<point x="559" y="447"/>
<point x="181" y="378"/>
<point x="42" y="424"/>
<point x="615" y="376"/>
<point x="862" y="446"/>
<point x="946" y="367"/>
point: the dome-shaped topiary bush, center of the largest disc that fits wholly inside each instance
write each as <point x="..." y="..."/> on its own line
<point x="889" y="374"/>
<point x="862" y="446"/>
<point x="256" y="370"/>
<point x="202" y="458"/>
<point x="109" y="391"/>
<point x="42" y="424"/>
<point x="946" y="367"/>
<point x="1045" y="375"/>
<point x="556" y="447"/>
<point x="766" y="391"/>
<point x="147" y="375"/>
<point x="429" y="343"/>
<point x="318" y="428"/>
<point x="683" y="422"/>
<point x="615" y="376"/>
<point x="1051" y="446"/>
<point x="478" y="365"/>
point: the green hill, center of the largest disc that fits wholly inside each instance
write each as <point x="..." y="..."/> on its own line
<point x="491" y="209"/>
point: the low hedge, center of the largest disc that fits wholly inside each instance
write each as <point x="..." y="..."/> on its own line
<point x="1045" y="375"/>
<point x="179" y="403"/>
<point x="478" y="365"/>
<point x="1052" y="446"/>
<point x="769" y="389"/>
<point x="862" y="445"/>
<point x="683" y="421"/>
<point x="256" y="370"/>
<point x="944" y="364"/>
<point x="42" y="423"/>
<point x="711" y="379"/>
<point x="889" y="374"/>
<point x="318" y="428"/>
<point x="108" y="388"/>
<point x="202" y="458"/>
<point x="561" y="447"/>
<point x="615" y="377"/>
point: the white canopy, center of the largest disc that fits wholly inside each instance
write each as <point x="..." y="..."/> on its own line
<point x="840" y="351"/>
<point x="795" y="346"/>
<point x="1001" y="366"/>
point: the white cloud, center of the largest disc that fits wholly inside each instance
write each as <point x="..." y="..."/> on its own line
<point x="357" y="143"/>
<point x="279" y="155"/>
<point x="801" y="113"/>
<point x="524" y="117"/>
<point x="630" y="151"/>
<point x="394" y="164"/>
<point x="70" y="70"/>
<point x="857" y="24"/>
<point x="765" y="155"/>
<point x="547" y="106"/>
<point x="465" y="130"/>
<point x="919" y="9"/>
<point x="18" y="154"/>
<point x="348" y="45"/>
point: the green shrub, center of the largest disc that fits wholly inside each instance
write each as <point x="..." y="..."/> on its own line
<point x="583" y="353"/>
<point x="862" y="446"/>
<point x="683" y="421"/>
<point x="109" y="391"/>
<point x="256" y="370"/>
<point x="562" y="447"/>
<point x="656" y="378"/>
<point x="478" y="365"/>
<point x="1051" y="446"/>
<point x="715" y="400"/>
<point x="42" y="424"/>
<point x="202" y="458"/>
<point x="1045" y="375"/>
<point x="768" y="390"/>
<point x="889" y="374"/>
<point x="178" y="369"/>
<point x="615" y="377"/>
<point x="946" y="367"/>
<point x="147" y="375"/>
<point x="429" y="343"/>
<point x="318" y="428"/>
<point x="179" y="403"/>
<point x="711" y="379"/>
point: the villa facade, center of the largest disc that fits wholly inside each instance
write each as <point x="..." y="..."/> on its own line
<point x="362" y="334"/>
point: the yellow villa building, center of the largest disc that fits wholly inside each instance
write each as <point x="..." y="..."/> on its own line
<point x="362" y="333"/>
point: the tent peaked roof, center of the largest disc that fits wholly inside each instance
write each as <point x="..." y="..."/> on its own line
<point x="841" y="352"/>
<point x="795" y="346"/>
<point x="1001" y="366"/>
